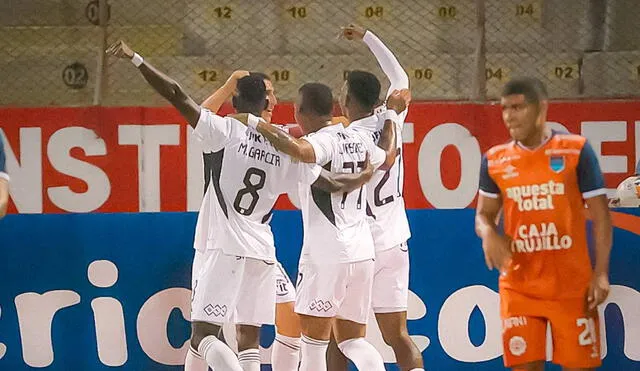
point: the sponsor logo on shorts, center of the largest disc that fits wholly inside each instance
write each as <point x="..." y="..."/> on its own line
<point x="216" y="310"/>
<point x="320" y="305"/>
<point x="517" y="345"/>
<point x="511" y="322"/>
<point x="281" y="287"/>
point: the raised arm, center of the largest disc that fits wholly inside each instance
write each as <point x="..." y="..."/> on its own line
<point x="217" y="99"/>
<point x="297" y="148"/>
<point x="386" y="59"/>
<point x="396" y="103"/>
<point x="161" y="83"/>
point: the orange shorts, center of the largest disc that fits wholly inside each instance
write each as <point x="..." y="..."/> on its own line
<point x="574" y="334"/>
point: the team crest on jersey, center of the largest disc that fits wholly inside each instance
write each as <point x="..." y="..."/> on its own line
<point x="556" y="163"/>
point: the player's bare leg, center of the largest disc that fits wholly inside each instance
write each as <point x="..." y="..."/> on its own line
<point x="205" y="340"/>
<point x="531" y="366"/>
<point x="336" y="361"/>
<point x="315" y="339"/>
<point x="350" y="338"/>
<point x="285" y="354"/>
<point x="248" y="337"/>
<point x="393" y="327"/>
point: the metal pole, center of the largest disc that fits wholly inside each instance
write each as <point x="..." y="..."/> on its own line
<point x="101" y="56"/>
<point x="479" y="89"/>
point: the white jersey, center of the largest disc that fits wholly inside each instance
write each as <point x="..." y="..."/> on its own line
<point x="204" y="215"/>
<point x="385" y="202"/>
<point x="245" y="176"/>
<point x="335" y="225"/>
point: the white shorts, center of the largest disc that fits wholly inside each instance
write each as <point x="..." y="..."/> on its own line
<point x="335" y="290"/>
<point x="285" y="291"/>
<point x="234" y="289"/>
<point x="391" y="280"/>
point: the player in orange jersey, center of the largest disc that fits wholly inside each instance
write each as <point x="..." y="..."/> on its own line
<point x="542" y="180"/>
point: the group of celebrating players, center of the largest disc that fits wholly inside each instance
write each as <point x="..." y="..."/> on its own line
<point x="346" y="175"/>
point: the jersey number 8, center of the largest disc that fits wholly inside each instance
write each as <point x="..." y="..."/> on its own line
<point x="250" y="189"/>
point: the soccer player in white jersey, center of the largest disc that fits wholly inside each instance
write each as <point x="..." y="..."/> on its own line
<point x="386" y="207"/>
<point x="236" y="277"/>
<point x="336" y="266"/>
<point x="4" y="182"/>
<point x="285" y="354"/>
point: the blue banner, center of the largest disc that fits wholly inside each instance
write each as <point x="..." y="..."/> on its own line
<point x="111" y="291"/>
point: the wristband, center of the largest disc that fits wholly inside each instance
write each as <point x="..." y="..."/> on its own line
<point x="137" y="59"/>
<point x="392" y="115"/>
<point x="252" y="121"/>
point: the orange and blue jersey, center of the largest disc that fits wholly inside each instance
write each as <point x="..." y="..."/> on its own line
<point x="543" y="192"/>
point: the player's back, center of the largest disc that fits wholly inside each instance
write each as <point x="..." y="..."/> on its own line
<point x="335" y="225"/>
<point x="385" y="201"/>
<point x="246" y="175"/>
<point x="543" y="193"/>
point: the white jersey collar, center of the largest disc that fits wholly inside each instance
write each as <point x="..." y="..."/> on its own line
<point x="369" y="122"/>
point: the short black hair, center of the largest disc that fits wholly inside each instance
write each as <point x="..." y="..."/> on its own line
<point x="364" y="87"/>
<point x="261" y="75"/>
<point x="252" y="95"/>
<point x="316" y="99"/>
<point x="532" y="88"/>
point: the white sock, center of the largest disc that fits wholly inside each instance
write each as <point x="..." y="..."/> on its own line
<point x="417" y="369"/>
<point x="313" y="354"/>
<point x="362" y="354"/>
<point x="194" y="361"/>
<point x="249" y="360"/>
<point x="218" y="355"/>
<point x="285" y="353"/>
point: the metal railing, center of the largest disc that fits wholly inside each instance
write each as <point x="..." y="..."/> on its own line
<point x="51" y="51"/>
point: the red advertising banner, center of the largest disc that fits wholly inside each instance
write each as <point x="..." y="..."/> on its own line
<point x="131" y="159"/>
